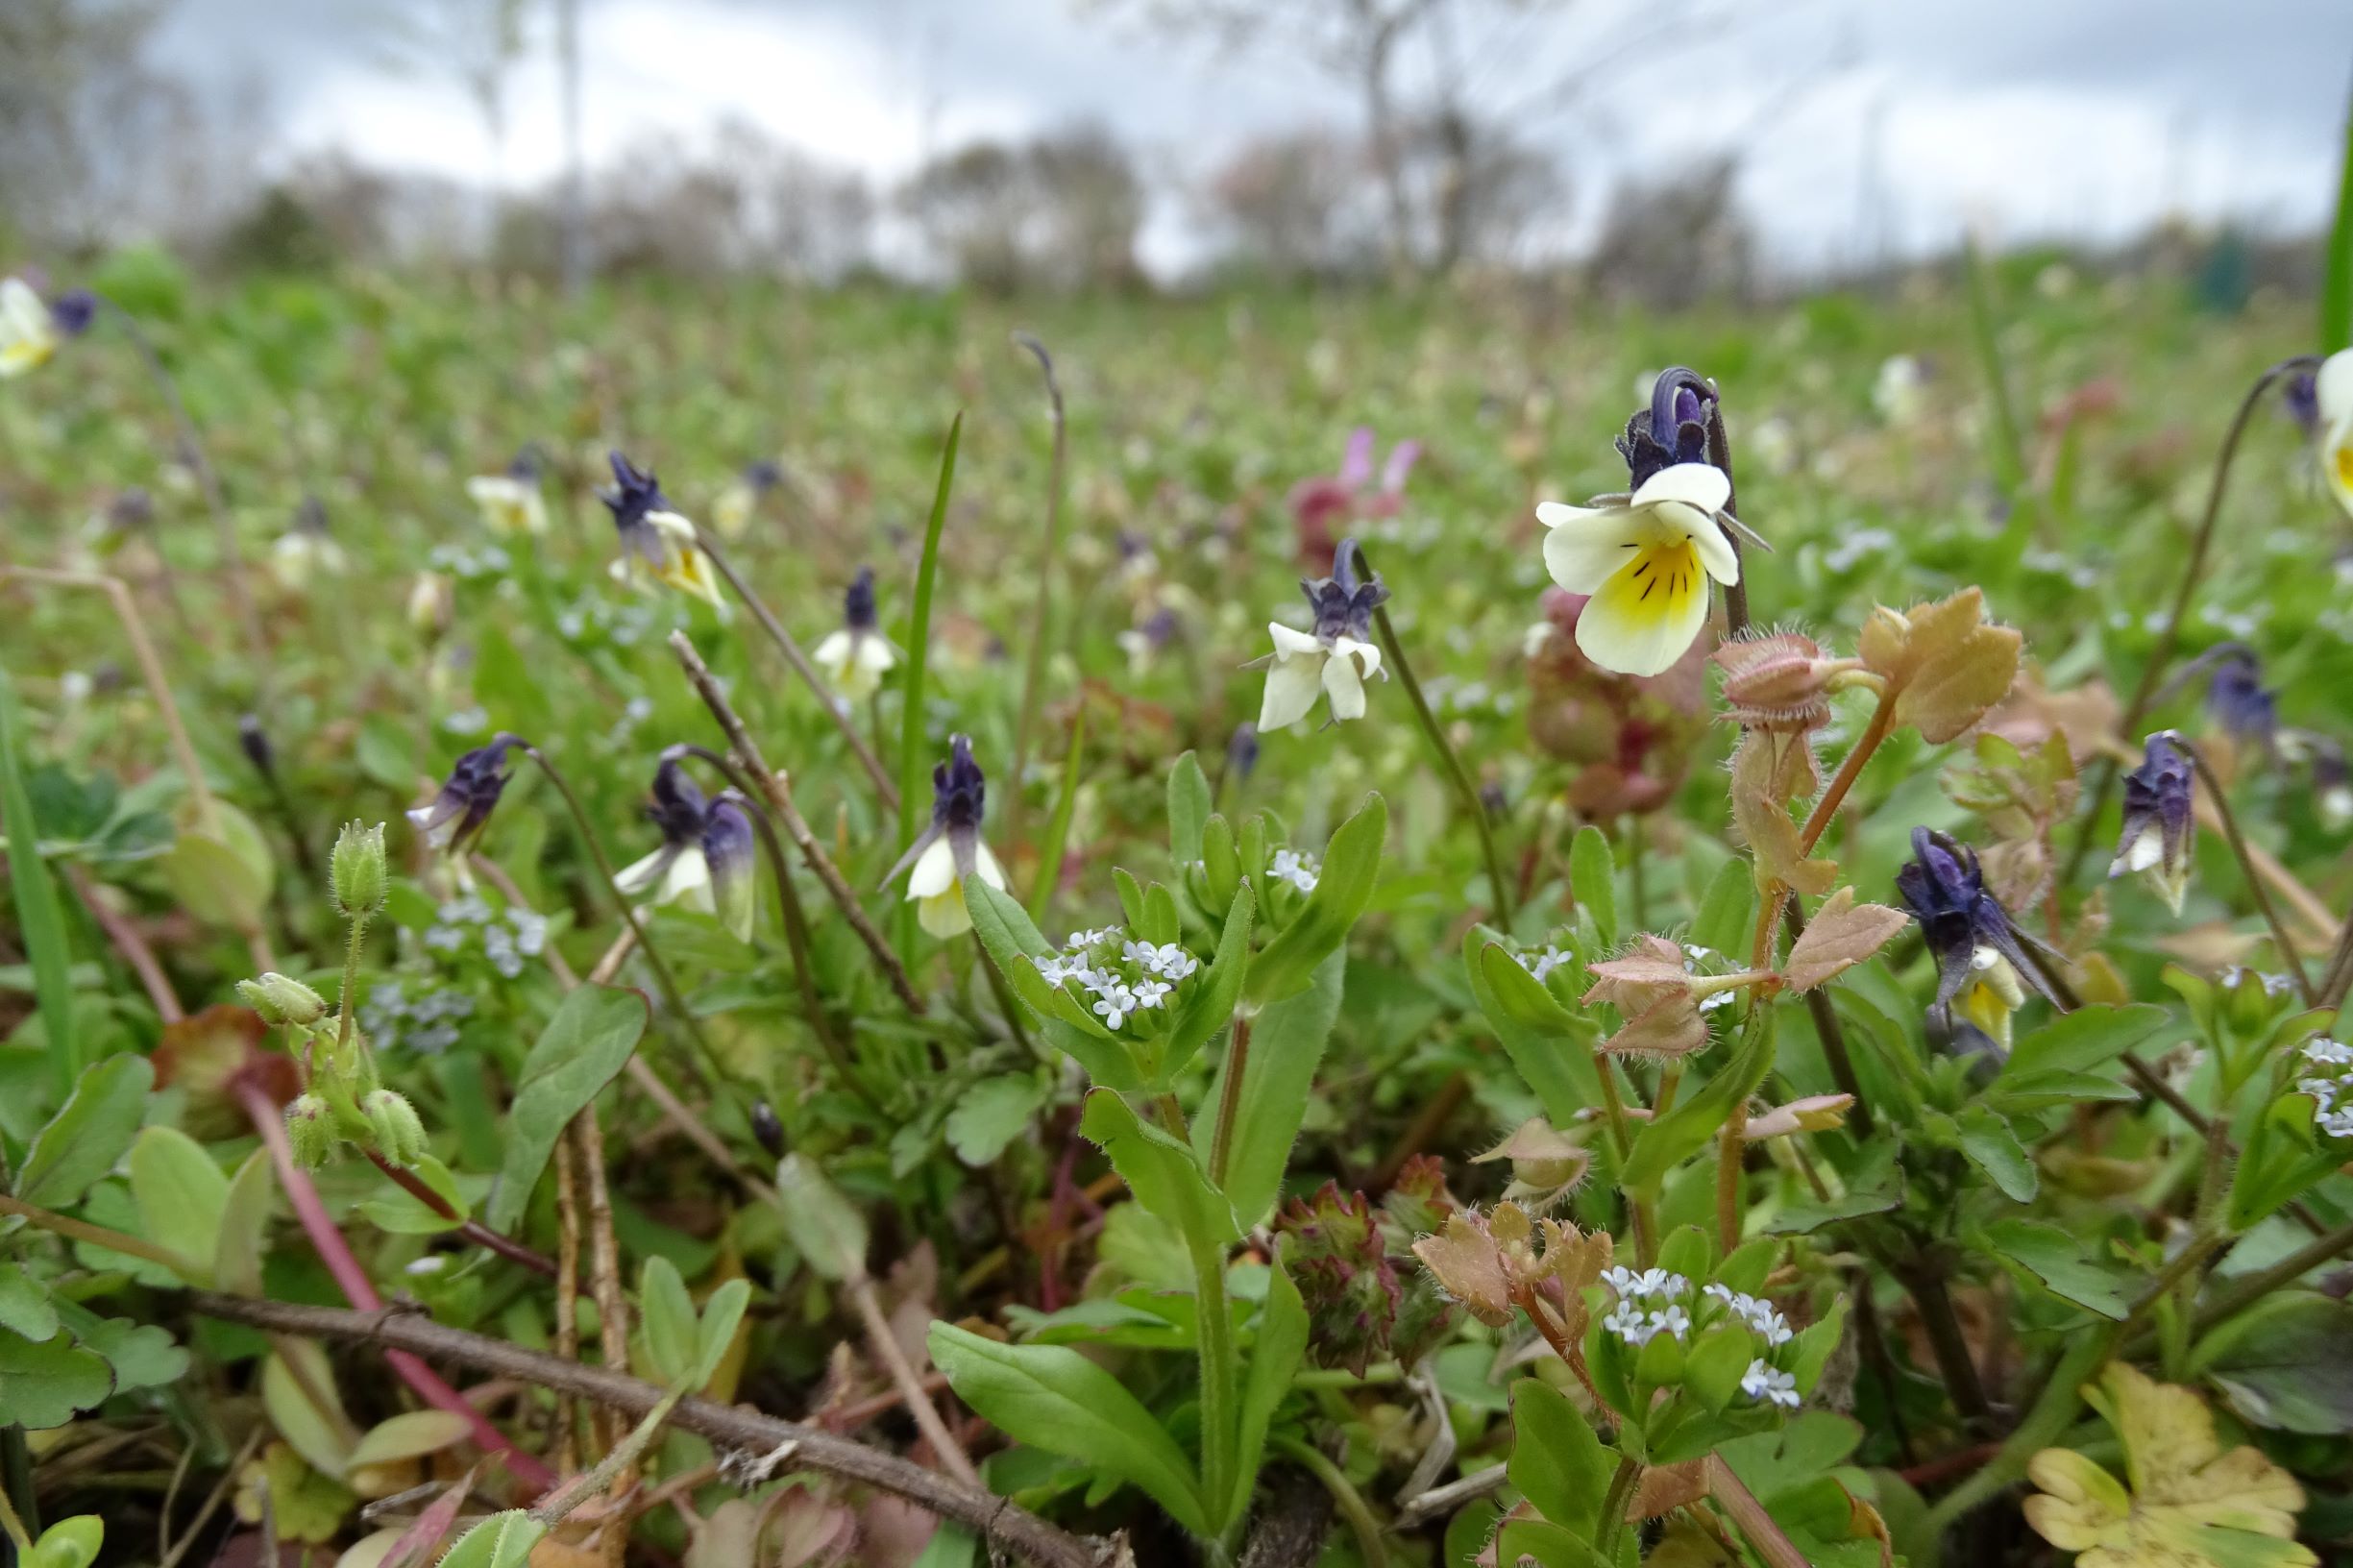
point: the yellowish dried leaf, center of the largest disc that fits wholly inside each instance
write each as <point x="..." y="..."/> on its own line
<point x="1944" y="667"/>
<point x="1469" y="1266"/>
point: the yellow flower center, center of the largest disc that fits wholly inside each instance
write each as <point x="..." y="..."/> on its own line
<point x="1664" y="572"/>
<point x="2344" y="465"/>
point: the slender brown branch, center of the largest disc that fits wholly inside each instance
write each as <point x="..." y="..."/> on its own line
<point x="473" y="1229"/>
<point x="605" y="1252"/>
<point x="124" y="935"/>
<point x="566" y="1299"/>
<point x="800" y="661"/>
<point x="879" y="1338"/>
<point x="1001" y="1522"/>
<point x="778" y="791"/>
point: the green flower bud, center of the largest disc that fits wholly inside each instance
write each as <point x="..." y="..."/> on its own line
<point x="392" y="1121"/>
<point x="359" y="874"/>
<point x="280" y="999"/>
<point x="311" y="1129"/>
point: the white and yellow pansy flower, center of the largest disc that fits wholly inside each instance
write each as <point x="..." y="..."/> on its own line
<point x="1331" y="661"/>
<point x="1646" y="560"/>
<point x="510" y="502"/>
<point x="2333" y="390"/>
<point x="854" y="656"/>
<point x="704" y="863"/>
<point x="948" y="853"/>
<point x="29" y="332"/>
<point x="657" y="545"/>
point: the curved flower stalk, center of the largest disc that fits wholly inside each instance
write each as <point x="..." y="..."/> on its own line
<point x="510" y="502"/>
<point x="856" y="655"/>
<point x="1334" y="659"/>
<point x="949" y="851"/>
<point x="657" y="545"/>
<point x="33" y="328"/>
<point x="704" y="862"/>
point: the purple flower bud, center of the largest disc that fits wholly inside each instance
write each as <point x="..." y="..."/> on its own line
<point x="767" y="1129"/>
<point x="1673" y="430"/>
<point x="255" y="745"/>
<point x="678" y="807"/>
<point x="635" y="494"/>
<point x="762" y="476"/>
<point x="960" y="792"/>
<point x="2159" y="825"/>
<point x="1343" y="604"/>
<point x="455" y="817"/>
<point x="1243" y="749"/>
<point x="2239" y="702"/>
<point x="726" y="849"/>
<point x="73" y="311"/>
<point x="858" y="601"/>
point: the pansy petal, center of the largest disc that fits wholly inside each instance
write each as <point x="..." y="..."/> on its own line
<point x="935" y="869"/>
<point x="984" y="866"/>
<point x="1583" y="553"/>
<point x="1622" y="629"/>
<point x="1345" y="686"/>
<point x="1290" y="641"/>
<point x="2333" y="389"/>
<point x="1699" y="485"/>
<point x="1291" y="688"/>
<point x="944" y="914"/>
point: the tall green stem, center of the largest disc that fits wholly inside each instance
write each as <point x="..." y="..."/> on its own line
<point x="1613" y="1508"/>
<point x="1219" y="1409"/>
<point x="1466" y="791"/>
<point x="910" y="748"/>
<point x="1034" y="667"/>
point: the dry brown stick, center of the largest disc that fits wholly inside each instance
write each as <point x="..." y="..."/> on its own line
<point x="886" y="1347"/>
<point x="1002" y="1523"/>
<point x="612" y="1307"/>
<point x="567" y="1300"/>
<point x="779" y="791"/>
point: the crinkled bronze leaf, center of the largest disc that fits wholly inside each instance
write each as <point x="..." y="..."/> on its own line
<point x="1944" y="665"/>
<point x="1841" y="935"/>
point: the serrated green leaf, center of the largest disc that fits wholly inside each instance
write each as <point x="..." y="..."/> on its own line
<point x="25" y="1307"/>
<point x="89" y="1133"/>
<point x="142" y="1355"/>
<point x="1994" y="1149"/>
<point x="2056" y="1259"/>
<point x="990" y="1114"/>
<point x="46" y="1383"/>
<point x="1053" y="1398"/>
<point x="503" y="1540"/>
<point x="2080" y="1040"/>
<point x="583" y="1049"/>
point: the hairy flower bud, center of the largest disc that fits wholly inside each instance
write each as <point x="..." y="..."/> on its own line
<point x="282" y="999"/>
<point x="358" y="872"/>
<point x="1781" y="681"/>
<point x="398" y="1133"/>
<point x="311" y="1131"/>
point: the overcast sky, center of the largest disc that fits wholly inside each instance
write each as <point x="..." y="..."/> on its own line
<point x="2016" y="117"/>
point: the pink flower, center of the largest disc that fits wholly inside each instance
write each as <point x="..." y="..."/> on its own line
<point x="1325" y="507"/>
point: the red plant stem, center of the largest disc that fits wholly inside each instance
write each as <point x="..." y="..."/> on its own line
<point x="473" y="1229"/>
<point x="353" y="1282"/>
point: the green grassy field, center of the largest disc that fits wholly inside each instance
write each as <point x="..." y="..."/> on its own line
<point x="1960" y="1254"/>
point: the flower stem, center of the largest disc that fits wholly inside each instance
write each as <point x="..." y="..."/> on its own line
<point x="1613" y="1508"/>
<point x="1465" y="790"/>
<point x="1344" y="1496"/>
<point x="669" y="982"/>
<point x="2168" y="637"/>
<point x="1034" y="668"/>
<point x="800" y="661"/>
<point x="1219" y="1431"/>
<point x="1730" y="1145"/>
<point x="1228" y="1103"/>
<point x="99" y="1235"/>
<point x="472" y="1230"/>
<point x="1818" y="821"/>
<point x="2292" y="959"/>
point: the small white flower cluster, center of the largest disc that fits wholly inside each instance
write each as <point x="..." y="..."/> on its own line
<point x="1544" y="962"/>
<point x="1300" y="870"/>
<point x="507" y="941"/>
<point x="479" y="561"/>
<point x="2332" y="1092"/>
<point x="1638" y="1317"/>
<point x="427" y="1024"/>
<point x="2238" y="974"/>
<point x="1651" y="1303"/>
<point x="1694" y="956"/>
<point x="622" y="623"/>
<point x="1141" y="977"/>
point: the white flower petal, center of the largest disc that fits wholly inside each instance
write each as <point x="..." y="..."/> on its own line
<point x="1291" y="687"/>
<point x="832" y="653"/>
<point x="1290" y="642"/>
<point x="986" y="867"/>
<point x="942" y="914"/>
<point x="1346" y="688"/>
<point x="2333" y="386"/>
<point x="1699" y="485"/>
<point x="935" y="871"/>
<point x="1584" y="553"/>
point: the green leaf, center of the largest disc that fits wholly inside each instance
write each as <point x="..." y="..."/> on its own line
<point x="1053" y="1398"/>
<point x="1188" y="809"/>
<point x="245" y="1218"/>
<point x="1274" y="1360"/>
<point x="583" y="1049"/>
<point x="25" y="1307"/>
<point x="1004" y="929"/>
<point x="181" y="1194"/>
<point x="1212" y="1003"/>
<point x="672" y="1343"/>
<point x="1989" y="1143"/>
<point x="399" y="1211"/>
<point x="1668" y="1141"/>
<point x="1163" y="1173"/>
<point x="70" y="1543"/>
<point x="298" y="1391"/>
<point x="46" y="1383"/>
<point x="142" y="1355"/>
<point x="1562" y="1074"/>
<point x="41" y="922"/>
<point x="89" y="1133"/>
<point x="1593" y="873"/>
<point x="1557" y="1462"/>
<point x="990" y="1114"/>
<point x="2286" y="1364"/>
<point x="222" y="876"/>
<point x="825" y="1225"/>
<point x="1287" y="1041"/>
<point x="1351" y="863"/>
<point x="1056" y="843"/>
<point x="503" y="1540"/>
<point x="1874" y="1186"/>
<point x="409" y="1436"/>
<point x="2080" y="1040"/>
<point x="722" y="1314"/>
<point x="1727" y="913"/>
<point x="2056" y="1258"/>
<point x="2337" y="275"/>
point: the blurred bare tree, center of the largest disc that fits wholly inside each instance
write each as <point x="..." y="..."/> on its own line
<point x="476" y="41"/>
<point x="1677" y="240"/>
<point x="1297" y="204"/>
<point x="1061" y="211"/>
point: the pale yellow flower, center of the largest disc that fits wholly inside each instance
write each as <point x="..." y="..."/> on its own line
<point x="2333" y="387"/>
<point x="29" y="332"/>
<point x="1646" y="560"/>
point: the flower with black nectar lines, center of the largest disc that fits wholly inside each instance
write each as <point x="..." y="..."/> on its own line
<point x="510" y="502"/>
<point x="2159" y="824"/>
<point x="1984" y="963"/>
<point x="949" y="852"/>
<point x="456" y="816"/>
<point x="856" y="656"/>
<point x="704" y="862"/>
<point x="1334" y="658"/>
<point x="1647" y="557"/>
<point x="657" y="545"/>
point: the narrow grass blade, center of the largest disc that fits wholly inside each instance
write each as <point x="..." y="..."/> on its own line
<point x="2337" y="279"/>
<point x="38" y="914"/>
<point x="913" y="756"/>
<point x="1058" y="831"/>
